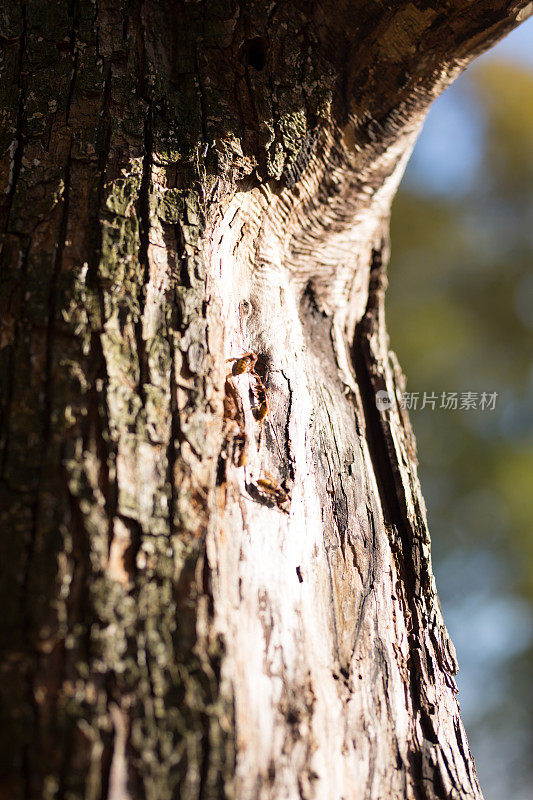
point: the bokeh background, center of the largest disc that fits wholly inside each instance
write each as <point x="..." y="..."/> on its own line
<point x="460" y="315"/>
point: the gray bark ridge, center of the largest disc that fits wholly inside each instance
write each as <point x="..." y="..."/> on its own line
<point x="215" y="585"/>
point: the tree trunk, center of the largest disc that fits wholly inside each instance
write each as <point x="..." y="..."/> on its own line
<point x="216" y="584"/>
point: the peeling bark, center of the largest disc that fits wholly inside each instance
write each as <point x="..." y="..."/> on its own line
<point x="202" y="599"/>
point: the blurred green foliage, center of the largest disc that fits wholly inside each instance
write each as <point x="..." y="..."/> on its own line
<point x="460" y="317"/>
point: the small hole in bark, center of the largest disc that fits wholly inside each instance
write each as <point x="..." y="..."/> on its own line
<point x="293" y="716"/>
<point x="256" y="52"/>
<point x="221" y="471"/>
<point x="262" y="365"/>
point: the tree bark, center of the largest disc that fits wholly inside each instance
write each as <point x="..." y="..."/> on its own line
<point x="197" y="602"/>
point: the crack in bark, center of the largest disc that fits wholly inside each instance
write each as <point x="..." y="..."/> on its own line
<point x="368" y="585"/>
<point x="48" y="389"/>
<point x="19" y="126"/>
<point x="144" y="244"/>
<point x="6" y="417"/>
<point x="395" y="513"/>
<point x="16" y="165"/>
<point x="74" y="12"/>
<point x="288" y="448"/>
<point x="103" y="141"/>
<point x="46" y="434"/>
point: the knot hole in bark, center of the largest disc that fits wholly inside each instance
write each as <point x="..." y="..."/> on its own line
<point x="262" y="365"/>
<point x="255" y="52"/>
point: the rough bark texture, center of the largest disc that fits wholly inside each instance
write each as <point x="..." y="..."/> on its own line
<point x="185" y="182"/>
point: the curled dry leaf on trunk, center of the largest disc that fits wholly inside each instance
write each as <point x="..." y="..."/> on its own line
<point x="216" y="579"/>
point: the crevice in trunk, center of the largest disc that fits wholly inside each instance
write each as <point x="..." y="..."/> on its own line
<point x="400" y="529"/>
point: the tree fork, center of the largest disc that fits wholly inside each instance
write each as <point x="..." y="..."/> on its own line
<point x="198" y="602"/>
